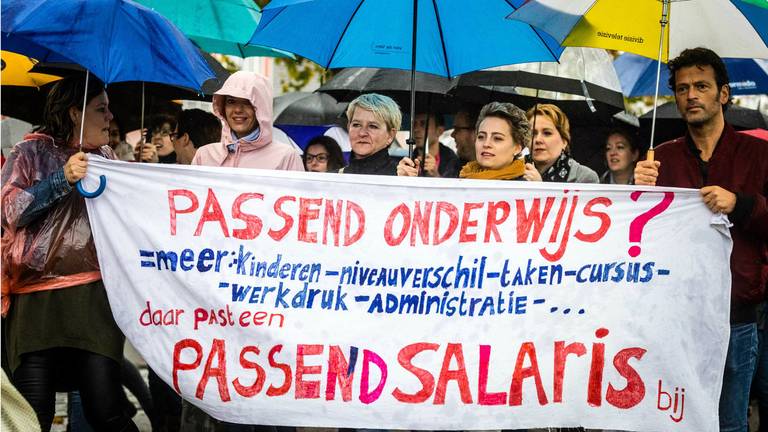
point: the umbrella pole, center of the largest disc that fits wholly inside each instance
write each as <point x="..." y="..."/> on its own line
<point x="664" y="20"/>
<point x="85" y="100"/>
<point x="141" y="127"/>
<point x="410" y="139"/>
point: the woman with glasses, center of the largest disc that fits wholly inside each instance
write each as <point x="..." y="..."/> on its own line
<point x="323" y="154"/>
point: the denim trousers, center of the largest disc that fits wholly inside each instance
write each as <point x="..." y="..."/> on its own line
<point x="740" y="365"/>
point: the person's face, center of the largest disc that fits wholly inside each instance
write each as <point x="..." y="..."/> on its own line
<point x="367" y="133"/>
<point x="96" y="127"/>
<point x="161" y="138"/>
<point x="495" y="147"/>
<point x="182" y="145"/>
<point x="619" y="154"/>
<point x="240" y="115"/>
<point x="114" y="134"/>
<point x="698" y="98"/>
<point x="548" y="144"/>
<point x="316" y="157"/>
<point x="464" y="135"/>
<point x="420" y="125"/>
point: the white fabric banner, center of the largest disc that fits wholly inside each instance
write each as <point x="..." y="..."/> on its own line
<point x="270" y="297"/>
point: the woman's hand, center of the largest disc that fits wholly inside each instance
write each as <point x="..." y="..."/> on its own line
<point x="531" y="173"/>
<point x="148" y="153"/>
<point x="76" y="167"/>
<point x="408" y="168"/>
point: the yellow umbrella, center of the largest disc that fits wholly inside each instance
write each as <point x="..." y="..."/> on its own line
<point x="15" y="68"/>
<point x="658" y="29"/>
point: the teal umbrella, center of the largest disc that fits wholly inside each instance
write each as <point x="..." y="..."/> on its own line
<point x="217" y="26"/>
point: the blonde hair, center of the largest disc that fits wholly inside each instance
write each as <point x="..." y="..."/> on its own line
<point x="382" y="107"/>
<point x="558" y="118"/>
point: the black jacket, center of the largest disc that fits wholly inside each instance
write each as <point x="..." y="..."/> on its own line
<point x="379" y="163"/>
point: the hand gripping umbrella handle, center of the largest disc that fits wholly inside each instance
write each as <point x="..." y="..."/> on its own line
<point x="649" y="155"/>
<point x="97" y="192"/>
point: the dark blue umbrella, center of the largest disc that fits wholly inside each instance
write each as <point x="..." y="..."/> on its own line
<point x="638" y="76"/>
<point x="440" y="37"/>
<point x="116" y="40"/>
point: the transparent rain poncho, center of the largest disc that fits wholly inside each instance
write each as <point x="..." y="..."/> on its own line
<point x="47" y="241"/>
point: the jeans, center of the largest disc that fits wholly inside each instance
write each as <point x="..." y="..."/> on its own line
<point x="760" y="386"/>
<point x="740" y="367"/>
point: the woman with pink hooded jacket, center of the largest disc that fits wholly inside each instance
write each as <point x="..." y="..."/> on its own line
<point x="244" y="106"/>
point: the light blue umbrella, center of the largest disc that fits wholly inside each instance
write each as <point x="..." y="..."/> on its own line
<point x="440" y="37"/>
<point x="638" y="76"/>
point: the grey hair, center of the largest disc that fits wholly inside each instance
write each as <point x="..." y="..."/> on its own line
<point x="515" y="118"/>
<point x="383" y="108"/>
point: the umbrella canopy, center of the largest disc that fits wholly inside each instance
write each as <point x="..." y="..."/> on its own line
<point x="638" y="76"/>
<point x="584" y="84"/>
<point x="640" y="27"/>
<point x="26" y="103"/>
<point x="116" y="40"/>
<point x="16" y="71"/>
<point x="438" y="37"/>
<point x="307" y="109"/>
<point x="451" y="39"/>
<point x="217" y="26"/>
<point x="760" y="133"/>
<point x="432" y="90"/>
<point x="634" y="26"/>
<point x="671" y="125"/>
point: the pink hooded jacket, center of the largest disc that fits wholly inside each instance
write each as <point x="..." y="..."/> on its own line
<point x="263" y="152"/>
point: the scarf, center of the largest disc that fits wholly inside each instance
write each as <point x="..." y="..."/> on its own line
<point x="559" y="170"/>
<point x="253" y="136"/>
<point x="473" y="170"/>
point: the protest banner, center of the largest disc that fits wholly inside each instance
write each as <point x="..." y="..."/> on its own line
<point x="271" y="297"/>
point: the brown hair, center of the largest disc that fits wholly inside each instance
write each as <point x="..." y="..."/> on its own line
<point x="65" y="94"/>
<point x="515" y="118"/>
<point x="557" y="116"/>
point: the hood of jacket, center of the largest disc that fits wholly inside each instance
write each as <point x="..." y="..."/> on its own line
<point x="258" y="91"/>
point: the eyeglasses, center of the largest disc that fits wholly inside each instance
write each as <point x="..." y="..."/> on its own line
<point x="321" y="157"/>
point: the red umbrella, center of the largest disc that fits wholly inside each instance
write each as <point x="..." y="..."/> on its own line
<point x="760" y="133"/>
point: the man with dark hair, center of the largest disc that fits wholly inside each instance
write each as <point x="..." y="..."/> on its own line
<point x="194" y="129"/>
<point x="464" y="134"/>
<point x="440" y="161"/>
<point x="731" y="171"/>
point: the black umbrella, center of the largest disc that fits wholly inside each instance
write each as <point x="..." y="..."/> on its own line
<point x="598" y="106"/>
<point x="308" y="109"/>
<point x="350" y="83"/>
<point x="670" y="125"/>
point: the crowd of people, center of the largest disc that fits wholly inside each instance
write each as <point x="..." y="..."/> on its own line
<point x="49" y="260"/>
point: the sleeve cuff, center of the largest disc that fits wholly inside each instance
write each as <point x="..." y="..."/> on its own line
<point x="60" y="183"/>
<point x="743" y="208"/>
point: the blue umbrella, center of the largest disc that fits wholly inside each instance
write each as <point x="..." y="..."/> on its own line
<point x="440" y="37"/>
<point x="116" y="40"/>
<point x="638" y="75"/>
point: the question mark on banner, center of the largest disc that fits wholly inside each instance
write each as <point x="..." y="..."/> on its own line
<point x="637" y="225"/>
